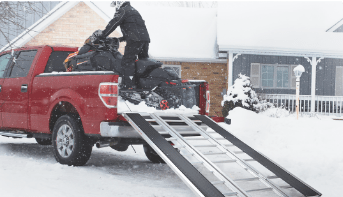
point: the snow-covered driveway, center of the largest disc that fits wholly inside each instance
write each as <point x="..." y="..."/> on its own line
<point x="311" y="148"/>
<point x="30" y="170"/>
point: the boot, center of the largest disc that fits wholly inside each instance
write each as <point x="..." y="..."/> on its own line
<point x="129" y="82"/>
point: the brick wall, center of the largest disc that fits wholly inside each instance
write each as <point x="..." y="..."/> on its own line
<point x="214" y="73"/>
<point x="73" y="28"/>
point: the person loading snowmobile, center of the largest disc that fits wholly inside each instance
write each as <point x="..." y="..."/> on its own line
<point x="135" y="34"/>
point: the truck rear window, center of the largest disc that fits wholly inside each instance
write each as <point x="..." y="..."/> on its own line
<point x="55" y="62"/>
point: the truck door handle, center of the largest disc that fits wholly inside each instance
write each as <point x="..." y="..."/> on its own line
<point x="0" y="87"/>
<point x="24" y="88"/>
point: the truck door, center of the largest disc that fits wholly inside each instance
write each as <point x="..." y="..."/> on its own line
<point x="4" y="60"/>
<point x="15" y="91"/>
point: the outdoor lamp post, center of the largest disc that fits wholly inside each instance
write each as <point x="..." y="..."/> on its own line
<point x="298" y="71"/>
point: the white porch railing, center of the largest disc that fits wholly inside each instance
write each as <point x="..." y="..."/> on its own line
<point x="325" y="105"/>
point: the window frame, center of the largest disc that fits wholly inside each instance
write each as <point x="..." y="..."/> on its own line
<point x="7" y="66"/>
<point x="290" y="76"/>
<point x="175" y="66"/>
<point x="16" y="55"/>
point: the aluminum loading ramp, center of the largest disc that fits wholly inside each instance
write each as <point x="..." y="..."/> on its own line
<point x="195" y="158"/>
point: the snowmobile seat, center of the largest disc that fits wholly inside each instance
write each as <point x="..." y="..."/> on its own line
<point x="145" y="66"/>
<point x="88" y="54"/>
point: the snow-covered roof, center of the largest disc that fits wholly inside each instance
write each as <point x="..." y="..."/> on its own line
<point x="194" y="34"/>
<point x="293" y="28"/>
<point x="177" y="33"/>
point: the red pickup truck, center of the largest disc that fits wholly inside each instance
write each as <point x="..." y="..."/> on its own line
<point x="70" y="110"/>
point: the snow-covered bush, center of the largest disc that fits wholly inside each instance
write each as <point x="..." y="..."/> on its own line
<point x="275" y="112"/>
<point x="241" y="94"/>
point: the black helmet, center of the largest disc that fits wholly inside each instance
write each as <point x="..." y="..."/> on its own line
<point x="117" y="4"/>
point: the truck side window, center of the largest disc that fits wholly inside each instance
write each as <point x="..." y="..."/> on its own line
<point x="4" y="59"/>
<point x="23" y="64"/>
<point x="55" y="62"/>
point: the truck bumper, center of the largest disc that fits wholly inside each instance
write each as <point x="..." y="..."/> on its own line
<point x="109" y="129"/>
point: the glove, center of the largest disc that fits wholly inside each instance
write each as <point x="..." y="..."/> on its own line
<point x="97" y="33"/>
<point x="121" y="39"/>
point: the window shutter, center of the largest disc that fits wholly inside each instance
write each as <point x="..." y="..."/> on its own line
<point x="255" y="74"/>
<point x="339" y="81"/>
<point x="293" y="77"/>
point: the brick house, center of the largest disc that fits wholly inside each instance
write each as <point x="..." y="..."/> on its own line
<point x="192" y="52"/>
<point x="217" y="44"/>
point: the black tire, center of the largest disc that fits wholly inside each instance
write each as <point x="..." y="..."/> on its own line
<point x="43" y="141"/>
<point x="152" y="155"/>
<point x="68" y="135"/>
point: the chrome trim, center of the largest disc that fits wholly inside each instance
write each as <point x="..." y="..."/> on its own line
<point x="107" y="130"/>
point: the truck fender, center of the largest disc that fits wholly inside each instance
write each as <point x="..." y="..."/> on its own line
<point x="70" y="96"/>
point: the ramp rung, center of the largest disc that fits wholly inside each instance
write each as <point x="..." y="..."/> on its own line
<point x="171" y="139"/>
<point x="197" y="162"/>
<point x="225" y="161"/>
<point x="247" y="179"/>
<point x="220" y="153"/>
<point x="179" y="146"/>
<point x="249" y="159"/>
<point x="262" y="189"/>
<point x="195" y="138"/>
<point x="256" y="178"/>
<point x="217" y="182"/>
<point x="172" y="120"/>
<point x="238" y="152"/>
<point x="187" y="154"/>
<point x="150" y="120"/>
<point x="229" y="145"/>
<point x="286" y="187"/>
<point x="209" y="145"/>
<point x="230" y="194"/>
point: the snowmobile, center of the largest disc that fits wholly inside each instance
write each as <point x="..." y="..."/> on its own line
<point x="159" y="87"/>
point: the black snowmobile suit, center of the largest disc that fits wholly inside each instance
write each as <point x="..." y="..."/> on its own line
<point x="136" y="36"/>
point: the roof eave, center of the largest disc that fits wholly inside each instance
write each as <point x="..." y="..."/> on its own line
<point x="282" y="52"/>
<point x="176" y="59"/>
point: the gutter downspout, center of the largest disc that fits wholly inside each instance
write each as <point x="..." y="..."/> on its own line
<point x="229" y="69"/>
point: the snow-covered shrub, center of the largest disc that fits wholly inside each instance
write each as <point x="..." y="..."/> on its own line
<point x="276" y="112"/>
<point x="241" y="94"/>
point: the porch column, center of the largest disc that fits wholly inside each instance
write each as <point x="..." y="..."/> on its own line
<point x="230" y="60"/>
<point x="313" y="63"/>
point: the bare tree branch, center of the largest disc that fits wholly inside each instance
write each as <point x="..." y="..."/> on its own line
<point x="15" y="16"/>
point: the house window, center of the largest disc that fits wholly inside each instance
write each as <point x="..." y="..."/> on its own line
<point x="267" y="76"/>
<point x="278" y="76"/>
<point x="282" y="76"/>
<point x="174" y="68"/>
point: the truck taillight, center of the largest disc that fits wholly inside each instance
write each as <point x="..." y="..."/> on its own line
<point x="108" y="93"/>
<point x="207" y="101"/>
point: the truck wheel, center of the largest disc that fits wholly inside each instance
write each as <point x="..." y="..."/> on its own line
<point x="44" y="142"/>
<point x="71" y="146"/>
<point x="152" y="155"/>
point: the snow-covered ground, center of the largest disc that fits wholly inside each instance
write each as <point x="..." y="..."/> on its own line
<point x="310" y="148"/>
